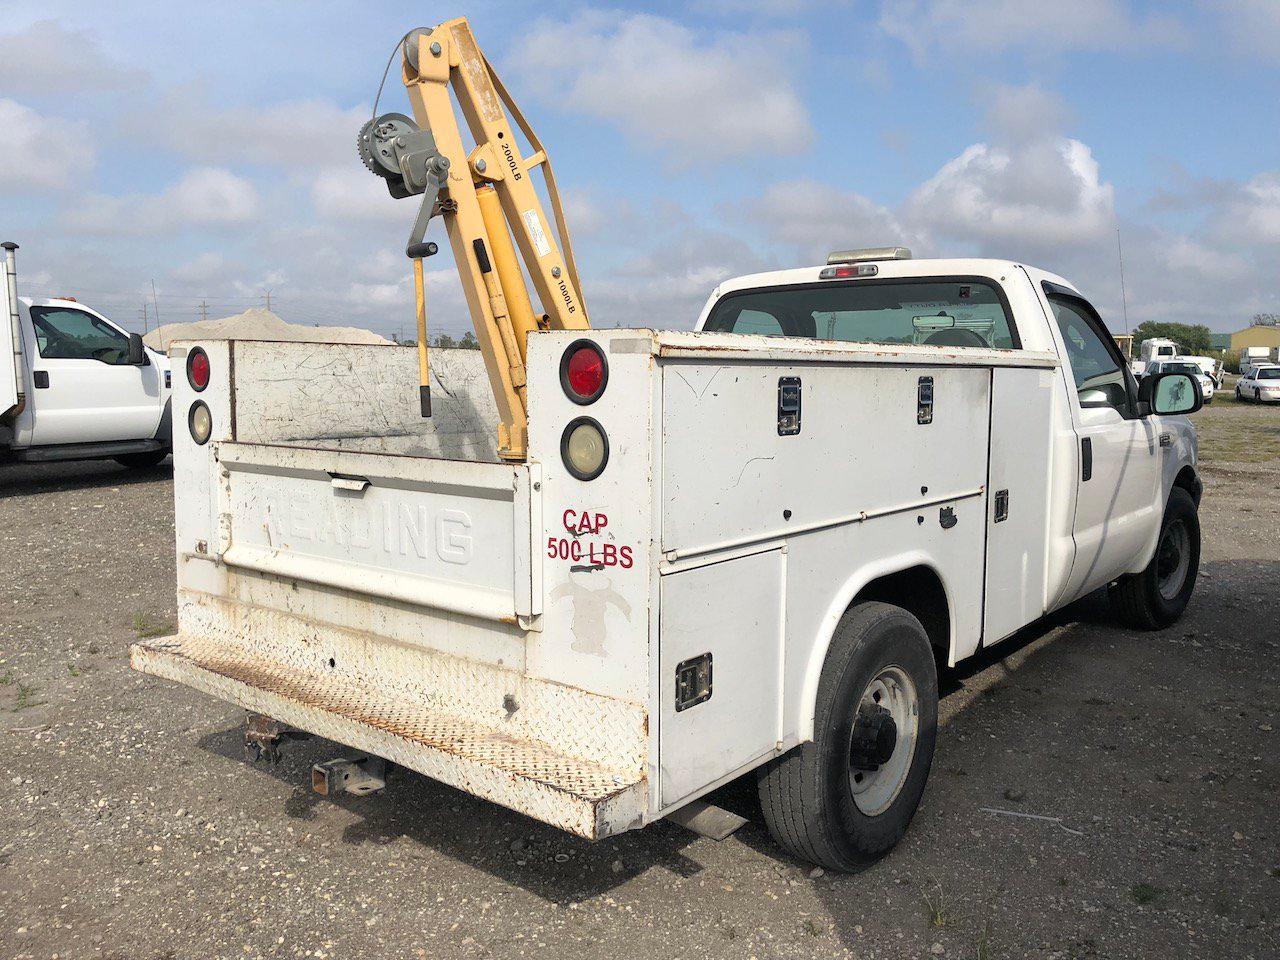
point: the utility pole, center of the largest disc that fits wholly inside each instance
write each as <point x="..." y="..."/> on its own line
<point x="142" y="315"/>
<point x="1124" y="300"/>
<point x="204" y="311"/>
<point x="267" y="297"/>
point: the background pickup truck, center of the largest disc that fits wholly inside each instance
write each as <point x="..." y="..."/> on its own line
<point x="741" y="548"/>
<point x="74" y="385"/>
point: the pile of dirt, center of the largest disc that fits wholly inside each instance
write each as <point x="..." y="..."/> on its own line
<point x="256" y="324"/>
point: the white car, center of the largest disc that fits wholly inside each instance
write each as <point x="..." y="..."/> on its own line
<point x="1262" y="385"/>
<point x="1187" y="366"/>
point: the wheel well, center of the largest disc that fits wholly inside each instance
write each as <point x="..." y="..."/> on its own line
<point x="1188" y="481"/>
<point x="919" y="591"/>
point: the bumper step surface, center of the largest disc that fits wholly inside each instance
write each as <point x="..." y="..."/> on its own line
<point x="524" y="775"/>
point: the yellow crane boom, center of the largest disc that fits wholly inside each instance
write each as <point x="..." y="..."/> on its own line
<point x="486" y="197"/>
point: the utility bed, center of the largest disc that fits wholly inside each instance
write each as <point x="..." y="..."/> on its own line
<point x="350" y="569"/>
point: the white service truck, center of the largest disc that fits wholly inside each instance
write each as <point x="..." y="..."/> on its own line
<point x="1253" y="358"/>
<point x="743" y="548"/>
<point x="76" y="386"/>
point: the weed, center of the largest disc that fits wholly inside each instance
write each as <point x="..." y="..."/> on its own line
<point x="984" y="942"/>
<point x="813" y="928"/>
<point x="74" y="670"/>
<point x="146" y="628"/>
<point x="7" y="679"/>
<point x="935" y="899"/>
<point x="26" y="697"/>
<point x="1145" y="893"/>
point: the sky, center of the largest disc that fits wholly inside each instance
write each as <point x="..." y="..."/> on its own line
<point x="209" y="149"/>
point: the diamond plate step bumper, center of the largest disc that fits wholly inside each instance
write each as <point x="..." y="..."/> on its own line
<point x="527" y="776"/>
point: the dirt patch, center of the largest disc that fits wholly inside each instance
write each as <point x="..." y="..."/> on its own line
<point x="133" y="827"/>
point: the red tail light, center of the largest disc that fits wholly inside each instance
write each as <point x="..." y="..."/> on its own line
<point x="198" y="369"/>
<point x="583" y="372"/>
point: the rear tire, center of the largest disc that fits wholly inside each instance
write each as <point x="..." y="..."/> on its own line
<point x="820" y="802"/>
<point x="141" y="461"/>
<point x="1157" y="597"/>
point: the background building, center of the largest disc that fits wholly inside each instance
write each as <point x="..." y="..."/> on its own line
<point x="1258" y="335"/>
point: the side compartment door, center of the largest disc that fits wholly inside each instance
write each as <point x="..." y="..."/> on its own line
<point x="1118" y="471"/>
<point x="724" y="619"/>
<point x="85" y="390"/>
<point x="1018" y="507"/>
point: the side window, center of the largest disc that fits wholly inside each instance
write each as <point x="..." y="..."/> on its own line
<point x="64" y="334"/>
<point x="1099" y="376"/>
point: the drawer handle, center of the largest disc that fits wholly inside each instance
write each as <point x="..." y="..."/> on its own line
<point x="355" y="484"/>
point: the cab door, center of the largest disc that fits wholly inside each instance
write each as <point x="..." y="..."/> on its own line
<point x="1118" y="504"/>
<point x="84" y="389"/>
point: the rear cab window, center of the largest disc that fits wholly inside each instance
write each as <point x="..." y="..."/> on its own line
<point x="938" y="311"/>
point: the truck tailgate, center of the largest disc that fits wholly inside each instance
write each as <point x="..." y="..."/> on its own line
<point x="448" y="534"/>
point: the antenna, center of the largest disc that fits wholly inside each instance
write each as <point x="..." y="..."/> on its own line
<point x="1124" y="300"/>
<point x="155" y="302"/>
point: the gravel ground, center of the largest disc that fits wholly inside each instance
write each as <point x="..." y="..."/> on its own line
<point x="133" y="828"/>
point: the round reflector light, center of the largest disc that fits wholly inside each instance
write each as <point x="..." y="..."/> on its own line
<point x="584" y="448"/>
<point x="200" y="422"/>
<point x="583" y="372"/>
<point x="198" y="369"/>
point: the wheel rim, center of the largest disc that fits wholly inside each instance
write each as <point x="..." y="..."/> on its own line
<point x="1173" y="559"/>
<point x="891" y="691"/>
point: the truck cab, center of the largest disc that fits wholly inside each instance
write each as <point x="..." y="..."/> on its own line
<point x="76" y="386"/>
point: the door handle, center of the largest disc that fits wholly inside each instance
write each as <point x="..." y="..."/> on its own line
<point x="1086" y="459"/>
<point x="341" y="482"/>
<point x="41" y="379"/>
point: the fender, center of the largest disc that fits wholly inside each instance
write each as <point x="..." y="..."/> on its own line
<point x="1181" y="457"/>
<point x="857" y="581"/>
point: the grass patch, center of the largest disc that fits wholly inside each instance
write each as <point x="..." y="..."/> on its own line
<point x="146" y="628"/>
<point x="813" y="928"/>
<point x="7" y="679"/>
<point x="1232" y="431"/>
<point x="26" y="698"/>
<point x="1146" y="893"/>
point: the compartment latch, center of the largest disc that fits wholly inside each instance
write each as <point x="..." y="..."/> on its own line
<point x="693" y="682"/>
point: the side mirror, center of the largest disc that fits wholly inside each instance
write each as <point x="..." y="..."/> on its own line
<point x="1170" y="394"/>
<point x="137" y="355"/>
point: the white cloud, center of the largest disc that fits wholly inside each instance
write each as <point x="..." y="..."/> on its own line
<point x="203" y="197"/>
<point x="208" y="267"/>
<point x="295" y="134"/>
<point x="666" y="89"/>
<point x="1251" y="214"/>
<point x="42" y="152"/>
<point x="813" y="219"/>
<point x="1034" y="196"/>
<point x="350" y="193"/>
<point x="1253" y="26"/>
<point x="46" y="59"/>
<point x="986" y="26"/>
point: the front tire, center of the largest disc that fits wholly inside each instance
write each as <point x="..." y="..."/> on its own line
<point x="844" y="799"/>
<point x="1157" y="597"/>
